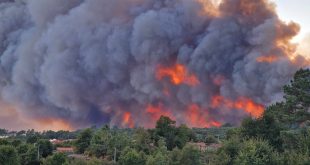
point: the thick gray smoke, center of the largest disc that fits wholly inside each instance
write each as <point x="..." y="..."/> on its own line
<point x="91" y="61"/>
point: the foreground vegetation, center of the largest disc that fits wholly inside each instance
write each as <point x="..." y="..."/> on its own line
<point x="281" y="136"/>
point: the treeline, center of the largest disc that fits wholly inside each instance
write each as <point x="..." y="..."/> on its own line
<point x="140" y="146"/>
<point x="281" y="136"/>
<point x="40" y="135"/>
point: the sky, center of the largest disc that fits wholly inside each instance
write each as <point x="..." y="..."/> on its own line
<point x="297" y="11"/>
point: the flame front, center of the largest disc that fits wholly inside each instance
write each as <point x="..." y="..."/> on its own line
<point x="195" y="116"/>
<point x="156" y="111"/>
<point x="245" y="104"/>
<point x="127" y="120"/>
<point x="178" y="74"/>
<point x="199" y="118"/>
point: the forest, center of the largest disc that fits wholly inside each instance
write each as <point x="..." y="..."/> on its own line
<point x="281" y="136"/>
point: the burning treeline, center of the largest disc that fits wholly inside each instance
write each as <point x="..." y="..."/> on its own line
<point x="126" y="63"/>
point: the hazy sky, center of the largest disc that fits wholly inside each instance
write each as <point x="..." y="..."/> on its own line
<point x="298" y="11"/>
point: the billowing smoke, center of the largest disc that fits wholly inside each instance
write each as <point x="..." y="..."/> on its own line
<point x="126" y="62"/>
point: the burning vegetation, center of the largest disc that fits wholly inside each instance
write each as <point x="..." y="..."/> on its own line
<point x="126" y="63"/>
<point x="178" y="74"/>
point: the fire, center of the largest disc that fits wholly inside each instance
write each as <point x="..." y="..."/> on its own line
<point x="242" y="103"/>
<point x="267" y="59"/>
<point x="53" y="124"/>
<point x="127" y="120"/>
<point x="197" y="118"/>
<point x="178" y="74"/>
<point x="156" y="111"/>
<point x="250" y="107"/>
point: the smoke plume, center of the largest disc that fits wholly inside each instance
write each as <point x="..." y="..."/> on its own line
<point x="126" y="62"/>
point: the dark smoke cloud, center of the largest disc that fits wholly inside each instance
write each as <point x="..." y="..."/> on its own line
<point x="89" y="61"/>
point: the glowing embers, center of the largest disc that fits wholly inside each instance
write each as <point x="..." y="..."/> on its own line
<point x="178" y="74"/>
<point x="127" y="120"/>
<point x="197" y="117"/>
<point x="245" y="104"/>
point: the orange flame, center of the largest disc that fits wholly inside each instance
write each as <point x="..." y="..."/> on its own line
<point x="157" y="111"/>
<point x="53" y="124"/>
<point x="178" y="74"/>
<point x="127" y="120"/>
<point x="197" y="118"/>
<point x="242" y="103"/>
<point x="267" y="59"/>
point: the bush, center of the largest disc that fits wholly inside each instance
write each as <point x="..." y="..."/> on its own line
<point x="8" y="155"/>
<point x="255" y="152"/>
<point x="132" y="157"/>
<point x="56" y="159"/>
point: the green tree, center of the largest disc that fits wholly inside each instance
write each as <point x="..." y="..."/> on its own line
<point x="164" y="125"/>
<point x="16" y="142"/>
<point x="119" y="141"/>
<point x="32" y="139"/>
<point x="91" y="161"/>
<point x="161" y="147"/>
<point x="190" y="155"/>
<point x="4" y="142"/>
<point x="174" y="136"/>
<point x="3" y="131"/>
<point x="175" y="156"/>
<point x="229" y="151"/>
<point x="293" y="157"/>
<point x="27" y="154"/>
<point x="31" y="157"/>
<point x="132" y="157"/>
<point x="183" y="134"/>
<point x="296" y="140"/>
<point x="142" y="140"/>
<point x="267" y="128"/>
<point x="297" y="93"/>
<point x="210" y="140"/>
<point x="255" y="152"/>
<point x="45" y="148"/>
<point x="83" y="140"/>
<point x="157" y="159"/>
<point x="8" y="155"/>
<point x="56" y="159"/>
<point x="100" y="142"/>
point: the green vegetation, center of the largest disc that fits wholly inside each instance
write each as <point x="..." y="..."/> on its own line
<point x="8" y="155"/>
<point x="56" y="159"/>
<point x="281" y="136"/>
